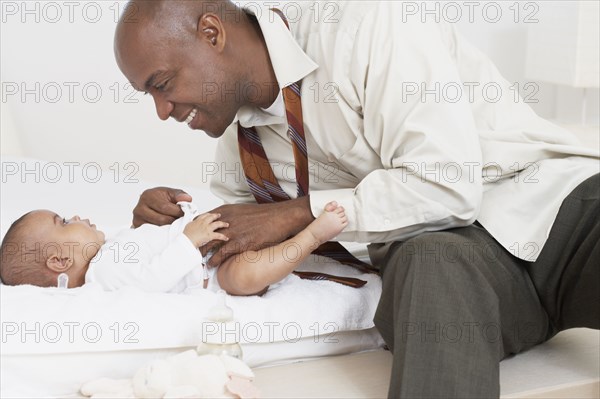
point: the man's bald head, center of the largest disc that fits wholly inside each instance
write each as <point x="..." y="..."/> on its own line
<point x="173" y="20"/>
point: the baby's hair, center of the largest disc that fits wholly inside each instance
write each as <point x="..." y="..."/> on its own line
<point x="20" y="265"/>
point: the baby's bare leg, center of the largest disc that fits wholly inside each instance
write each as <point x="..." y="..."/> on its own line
<point x="251" y="272"/>
<point x="235" y="274"/>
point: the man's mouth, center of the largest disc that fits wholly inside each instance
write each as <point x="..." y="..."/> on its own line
<point x="191" y="116"/>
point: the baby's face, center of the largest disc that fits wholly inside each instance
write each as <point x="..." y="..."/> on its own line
<point x="56" y="228"/>
<point x="79" y="239"/>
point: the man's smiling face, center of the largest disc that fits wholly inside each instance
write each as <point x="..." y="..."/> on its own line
<point x="181" y="60"/>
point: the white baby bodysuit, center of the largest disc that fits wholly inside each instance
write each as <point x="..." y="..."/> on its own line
<point x="152" y="258"/>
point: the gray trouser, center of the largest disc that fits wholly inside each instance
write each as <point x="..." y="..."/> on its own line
<point x="455" y="303"/>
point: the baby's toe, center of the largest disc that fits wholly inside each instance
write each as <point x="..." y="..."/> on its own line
<point x="331" y="206"/>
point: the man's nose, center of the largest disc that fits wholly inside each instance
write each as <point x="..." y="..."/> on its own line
<point x="163" y="106"/>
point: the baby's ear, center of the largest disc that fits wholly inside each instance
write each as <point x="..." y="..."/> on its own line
<point x="57" y="264"/>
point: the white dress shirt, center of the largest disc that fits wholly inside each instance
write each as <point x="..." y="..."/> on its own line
<point x="391" y="138"/>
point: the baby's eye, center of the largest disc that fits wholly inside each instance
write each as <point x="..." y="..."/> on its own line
<point x="64" y="221"/>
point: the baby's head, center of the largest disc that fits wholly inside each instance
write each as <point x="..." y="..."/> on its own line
<point x="41" y="245"/>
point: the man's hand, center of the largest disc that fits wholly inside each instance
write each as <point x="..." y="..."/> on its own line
<point x="159" y="206"/>
<point x="253" y="227"/>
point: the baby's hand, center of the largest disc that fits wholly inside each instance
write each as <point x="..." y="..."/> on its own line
<point x="202" y="229"/>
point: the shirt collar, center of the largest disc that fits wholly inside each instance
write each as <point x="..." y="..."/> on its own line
<point x="289" y="61"/>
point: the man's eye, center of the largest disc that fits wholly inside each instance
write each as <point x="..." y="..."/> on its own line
<point x="162" y="86"/>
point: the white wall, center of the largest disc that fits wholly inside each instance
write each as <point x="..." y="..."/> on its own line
<point x="505" y="42"/>
<point x="47" y="46"/>
<point x="9" y="139"/>
<point x="73" y="105"/>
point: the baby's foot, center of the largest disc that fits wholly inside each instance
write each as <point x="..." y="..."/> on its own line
<point x="329" y="224"/>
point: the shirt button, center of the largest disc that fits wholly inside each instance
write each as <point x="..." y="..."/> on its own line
<point x="387" y="222"/>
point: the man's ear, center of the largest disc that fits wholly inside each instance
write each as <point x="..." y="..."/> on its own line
<point x="58" y="264"/>
<point x="211" y="30"/>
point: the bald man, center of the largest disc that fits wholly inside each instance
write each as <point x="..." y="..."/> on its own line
<point x="483" y="217"/>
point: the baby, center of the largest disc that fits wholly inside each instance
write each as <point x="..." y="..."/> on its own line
<point x="41" y="245"/>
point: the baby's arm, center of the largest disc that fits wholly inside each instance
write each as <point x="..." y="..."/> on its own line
<point x="251" y="272"/>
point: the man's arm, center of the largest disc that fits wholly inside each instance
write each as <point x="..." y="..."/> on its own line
<point x="256" y="226"/>
<point x="420" y="139"/>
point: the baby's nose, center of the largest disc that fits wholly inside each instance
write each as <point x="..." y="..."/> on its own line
<point x="76" y="218"/>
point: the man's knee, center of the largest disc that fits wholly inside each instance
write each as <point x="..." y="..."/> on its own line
<point x="436" y="255"/>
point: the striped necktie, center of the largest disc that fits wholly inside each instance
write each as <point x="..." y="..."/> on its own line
<point x="266" y="189"/>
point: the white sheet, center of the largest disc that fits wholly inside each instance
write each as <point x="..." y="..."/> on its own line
<point x="89" y="333"/>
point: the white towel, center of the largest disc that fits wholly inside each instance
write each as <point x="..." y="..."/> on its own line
<point x="87" y="319"/>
